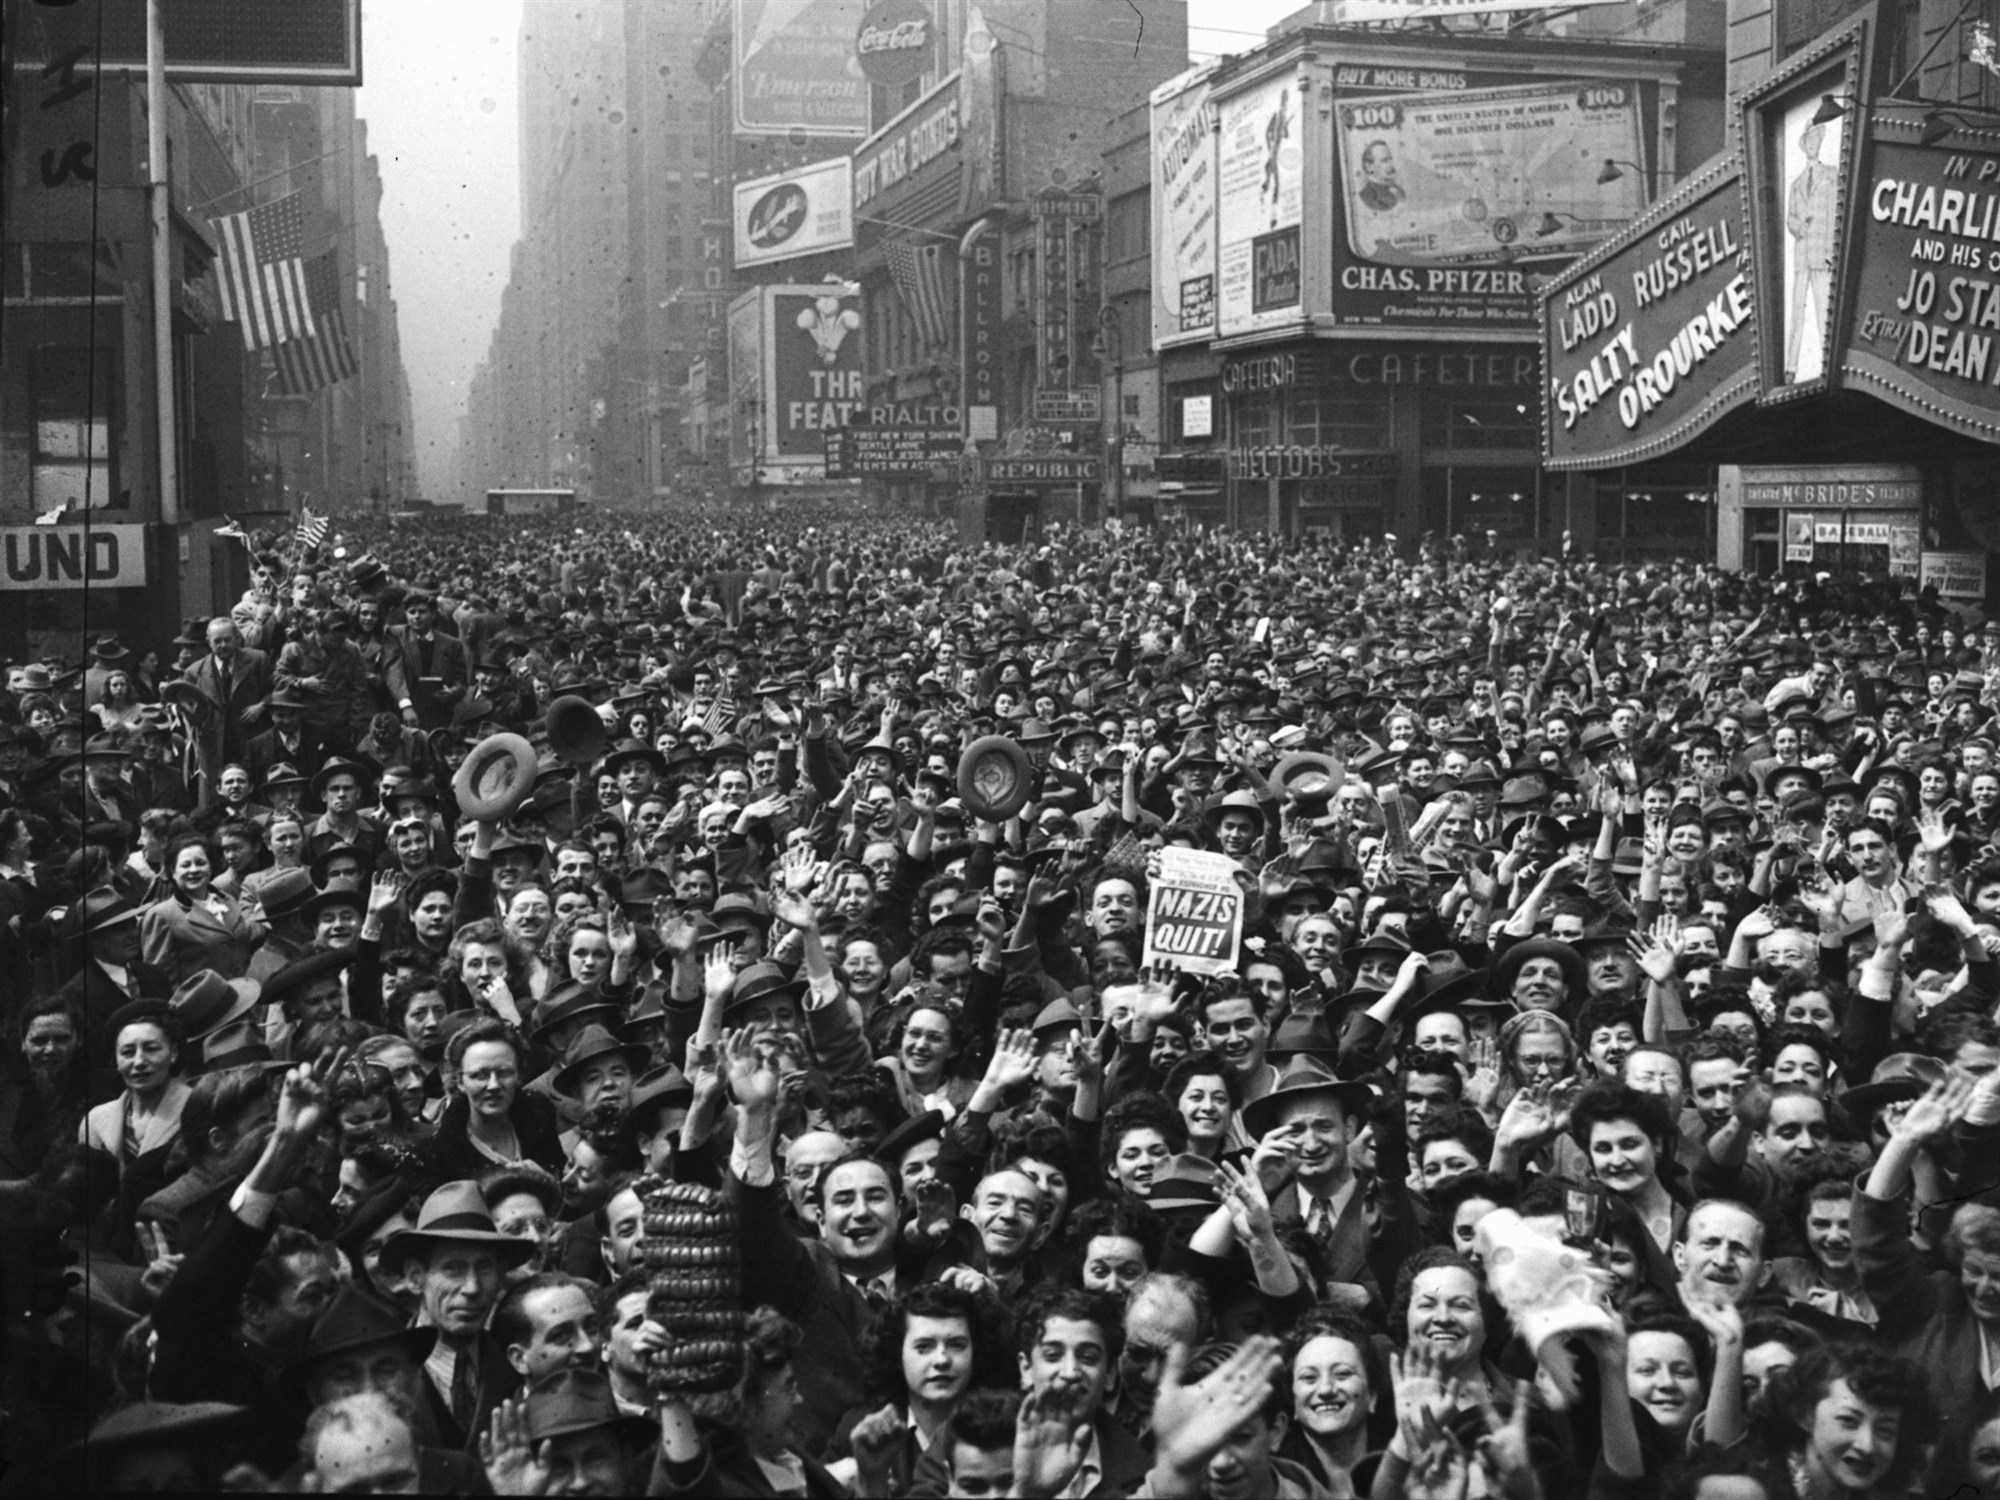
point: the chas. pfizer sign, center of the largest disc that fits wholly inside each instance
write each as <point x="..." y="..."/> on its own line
<point x="896" y="42"/>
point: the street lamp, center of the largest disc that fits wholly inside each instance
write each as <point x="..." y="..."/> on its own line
<point x="1111" y="338"/>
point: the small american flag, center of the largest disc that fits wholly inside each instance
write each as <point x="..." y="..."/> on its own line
<point x="918" y="271"/>
<point x="325" y="356"/>
<point x="312" y="529"/>
<point x="720" y="712"/>
<point x="262" y="271"/>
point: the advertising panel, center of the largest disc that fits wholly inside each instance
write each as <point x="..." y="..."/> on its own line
<point x="1449" y="181"/>
<point x="814" y="350"/>
<point x="800" y="212"/>
<point x="1956" y="575"/>
<point x="979" y="340"/>
<point x="916" y="150"/>
<point x="897" y="43"/>
<point x="1350" y="12"/>
<point x="1650" y="340"/>
<point x="890" y="452"/>
<point x="1260" y="190"/>
<point x="316" y="42"/>
<point x="1183" y="127"/>
<point x="1924" y="333"/>
<point x="66" y="557"/>
<point x="796" y="68"/>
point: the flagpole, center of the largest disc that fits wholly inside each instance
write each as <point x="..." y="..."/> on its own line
<point x="163" y="310"/>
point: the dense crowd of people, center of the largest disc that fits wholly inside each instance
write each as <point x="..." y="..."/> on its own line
<point x="759" y="1081"/>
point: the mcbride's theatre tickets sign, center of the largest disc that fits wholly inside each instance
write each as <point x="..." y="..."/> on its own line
<point x="1925" y="329"/>
<point x="1648" y="342"/>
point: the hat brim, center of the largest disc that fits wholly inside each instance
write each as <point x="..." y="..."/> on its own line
<point x="1260" y="1114"/>
<point x="1308" y="776"/>
<point x="495" y="778"/>
<point x="399" y="1247"/>
<point x="566" y="1076"/>
<point x="292" y="1380"/>
<point x="187" y="696"/>
<point x="995" y="779"/>
<point x="248" y="992"/>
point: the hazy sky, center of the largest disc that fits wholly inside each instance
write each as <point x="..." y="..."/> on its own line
<point x="440" y="105"/>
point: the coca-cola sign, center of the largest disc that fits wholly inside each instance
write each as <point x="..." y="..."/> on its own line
<point x="895" y="42"/>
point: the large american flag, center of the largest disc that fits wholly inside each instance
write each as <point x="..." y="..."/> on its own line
<point x="918" y="271"/>
<point x="325" y="356"/>
<point x="262" y="270"/>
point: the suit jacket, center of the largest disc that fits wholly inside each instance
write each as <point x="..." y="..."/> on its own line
<point x="185" y="939"/>
<point x="1343" y="1255"/>
<point x="404" y="674"/>
<point x="263" y="751"/>
<point x="497" y="1380"/>
<point x="104" y="1126"/>
<point x="233" y="693"/>
<point x="94" y="995"/>
<point x="1923" y="1316"/>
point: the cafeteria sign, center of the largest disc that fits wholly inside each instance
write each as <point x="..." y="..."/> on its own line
<point x="1650" y="340"/>
<point x="1925" y="330"/>
<point x="1194" y="920"/>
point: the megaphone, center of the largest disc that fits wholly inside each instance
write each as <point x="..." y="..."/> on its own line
<point x="576" y="732"/>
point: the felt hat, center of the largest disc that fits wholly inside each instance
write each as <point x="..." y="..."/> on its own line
<point x="662" y="1088"/>
<point x="571" y="1401"/>
<point x="1185" y="1181"/>
<point x="1900" y="1075"/>
<point x="301" y="972"/>
<point x="148" y="1424"/>
<point x="995" y="778"/>
<point x="590" y="1044"/>
<point x="495" y="777"/>
<point x="1056" y="1016"/>
<point x="360" y="770"/>
<point x="336" y="893"/>
<point x="762" y="981"/>
<point x="1309" y="777"/>
<point x="1243" y="802"/>
<point x="282" y="773"/>
<point x="99" y="909"/>
<point x="454" y="1214"/>
<point x="183" y="694"/>
<point x="1301" y="1076"/>
<point x="355" y="1319"/>
<point x="928" y="1126"/>
<point x="285" y="893"/>
<point x="145" y="1008"/>
<point x="571" y="1001"/>
<point x="206" y="1002"/>
<point x="1509" y="965"/>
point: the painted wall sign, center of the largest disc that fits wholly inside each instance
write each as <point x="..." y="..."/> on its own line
<point x="1183" y="135"/>
<point x="66" y="558"/>
<point x="795" y="69"/>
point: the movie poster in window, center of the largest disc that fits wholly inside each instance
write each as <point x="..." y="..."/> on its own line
<point x="1259" y="195"/>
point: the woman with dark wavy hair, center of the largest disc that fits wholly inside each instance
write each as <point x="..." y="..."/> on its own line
<point x="936" y="1342"/>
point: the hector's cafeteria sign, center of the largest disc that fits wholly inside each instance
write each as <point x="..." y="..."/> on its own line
<point x="1925" y="333"/>
<point x="1649" y="341"/>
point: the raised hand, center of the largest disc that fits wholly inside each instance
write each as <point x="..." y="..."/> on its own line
<point x="1420" y="1384"/>
<point x="794" y="911"/>
<point x="1013" y="1062"/>
<point x="874" y="1440"/>
<point x="162" y="1261"/>
<point x="1933" y="831"/>
<point x="799" y="870"/>
<point x="718" y="973"/>
<point x="1482" y="1089"/>
<point x="302" y="1096"/>
<point x="1192" y="1423"/>
<point x="753" y="1076"/>
<point x="1503" y="1452"/>
<point x="386" y="890"/>
<point x="1653" y="956"/>
<point x="1932" y="1117"/>
<point x="1248" y="1204"/>
<point x="514" y="1464"/>
<point x="1050" y="1439"/>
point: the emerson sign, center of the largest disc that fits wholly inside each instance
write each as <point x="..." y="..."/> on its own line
<point x="1650" y="340"/>
<point x="74" y="557"/>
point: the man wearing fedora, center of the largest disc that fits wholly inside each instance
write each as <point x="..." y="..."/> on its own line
<point x="458" y="1261"/>
<point x="113" y="973"/>
<point x="291" y="740"/>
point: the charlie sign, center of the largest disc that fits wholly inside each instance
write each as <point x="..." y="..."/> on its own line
<point x="1195" y="918"/>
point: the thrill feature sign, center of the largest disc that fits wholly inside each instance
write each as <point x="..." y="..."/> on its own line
<point x="1194" y="920"/>
<point x="1925" y="331"/>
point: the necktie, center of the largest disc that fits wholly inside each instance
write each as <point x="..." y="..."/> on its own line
<point x="464" y="1389"/>
<point x="1319" y="1223"/>
<point x="424" y="657"/>
<point x="876" y="1298"/>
